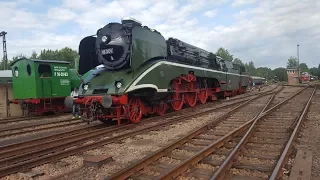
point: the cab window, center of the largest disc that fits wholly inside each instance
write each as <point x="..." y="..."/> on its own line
<point x="44" y="71"/>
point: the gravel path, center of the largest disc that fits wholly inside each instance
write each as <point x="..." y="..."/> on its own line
<point x="133" y="149"/>
<point x="309" y="137"/>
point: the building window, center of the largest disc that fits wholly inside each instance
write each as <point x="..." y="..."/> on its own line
<point x="28" y="69"/>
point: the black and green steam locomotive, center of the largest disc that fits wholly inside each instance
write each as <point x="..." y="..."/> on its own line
<point x="143" y="73"/>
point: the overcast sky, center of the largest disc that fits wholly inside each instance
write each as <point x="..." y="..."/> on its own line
<point x="263" y="31"/>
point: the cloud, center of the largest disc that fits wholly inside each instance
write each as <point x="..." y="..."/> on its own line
<point x="211" y="14"/>
<point x="61" y="14"/>
<point x="266" y="33"/>
<point x="242" y="2"/>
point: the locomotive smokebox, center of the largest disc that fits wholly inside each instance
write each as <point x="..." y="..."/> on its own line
<point x="113" y="46"/>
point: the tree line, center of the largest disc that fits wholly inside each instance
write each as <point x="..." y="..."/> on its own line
<point x="280" y="74"/>
<point x="64" y="54"/>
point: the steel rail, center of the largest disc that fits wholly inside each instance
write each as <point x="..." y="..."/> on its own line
<point x="73" y="134"/>
<point x="231" y="158"/>
<point x="58" y="152"/>
<point x="23" y="153"/>
<point x="287" y="150"/>
<point x="127" y="172"/>
<point x="149" y="119"/>
<point x="25" y="126"/>
<point x="39" y="129"/>
<point x="24" y="118"/>
<point x="29" y="146"/>
<point x="173" y="173"/>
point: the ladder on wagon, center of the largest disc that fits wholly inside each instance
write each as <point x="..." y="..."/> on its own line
<point x="47" y="104"/>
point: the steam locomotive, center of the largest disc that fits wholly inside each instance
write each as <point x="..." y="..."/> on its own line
<point x="142" y="73"/>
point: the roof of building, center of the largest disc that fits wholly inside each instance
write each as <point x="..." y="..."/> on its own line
<point x="5" y="73"/>
<point x="292" y="68"/>
<point x="41" y="60"/>
<point x="5" y="76"/>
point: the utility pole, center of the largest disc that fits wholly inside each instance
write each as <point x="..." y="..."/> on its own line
<point x="298" y="62"/>
<point x="5" y="57"/>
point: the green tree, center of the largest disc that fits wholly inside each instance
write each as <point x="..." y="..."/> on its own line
<point x="64" y="54"/>
<point x="250" y="68"/>
<point x="238" y="61"/>
<point x="280" y="74"/>
<point x="292" y="62"/>
<point x="2" y="65"/>
<point x="304" y="67"/>
<point x="14" y="58"/>
<point x="224" y="53"/>
<point x="315" y="71"/>
<point x="34" y="55"/>
<point x="19" y="56"/>
<point x="265" y="72"/>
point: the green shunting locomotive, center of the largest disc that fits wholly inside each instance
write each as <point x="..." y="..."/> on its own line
<point x="143" y="73"/>
<point x="40" y="86"/>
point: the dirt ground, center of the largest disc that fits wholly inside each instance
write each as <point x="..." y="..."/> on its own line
<point x="309" y="137"/>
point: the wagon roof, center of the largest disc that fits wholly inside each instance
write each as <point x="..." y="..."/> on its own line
<point x="40" y="60"/>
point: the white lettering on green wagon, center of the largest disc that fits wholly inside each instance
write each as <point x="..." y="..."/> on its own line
<point x="64" y="82"/>
<point x="60" y="71"/>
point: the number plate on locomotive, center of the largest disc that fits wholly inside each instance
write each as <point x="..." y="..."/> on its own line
<point x="107" y="51"/>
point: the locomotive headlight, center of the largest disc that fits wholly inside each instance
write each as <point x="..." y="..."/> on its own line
<point x="104" y="38"/>
<point x="118" y="85"/>
<point x="85" y="87"/>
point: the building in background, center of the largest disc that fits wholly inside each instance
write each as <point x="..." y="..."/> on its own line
<point x="293" y="75"/>
<point x="6" y="92"/>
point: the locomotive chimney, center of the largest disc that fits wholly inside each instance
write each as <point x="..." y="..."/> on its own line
<point x="130" y="22"/>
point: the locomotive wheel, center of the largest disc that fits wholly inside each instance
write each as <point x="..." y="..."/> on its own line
<point x="177" y="101"/>
<point x="203" y="95"/>
<point x="162" y="108"/>
<point x="191" y="99"/>
<point x="135" y="110"/>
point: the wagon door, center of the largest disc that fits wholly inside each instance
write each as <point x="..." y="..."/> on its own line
<point x="46" y="87"/>
<point x="45" y="77"/>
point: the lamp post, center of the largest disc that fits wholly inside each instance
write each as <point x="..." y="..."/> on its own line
<point x="5" y="57"/>
<point x="298" y="62"/>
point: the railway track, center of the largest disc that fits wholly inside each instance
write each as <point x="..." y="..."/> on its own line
<point x="44" y="150"/>
<point x="24" y="128"/>
<point x="24" y="118"/>
<point x="20" y="129"/>
<point x="200" y="154"/>
<point x="262" y="152"/>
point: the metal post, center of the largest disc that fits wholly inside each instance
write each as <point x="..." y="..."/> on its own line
<point x="7" y="99"/>
<point x="5" y="58"/>
<point x="298" y="62"/>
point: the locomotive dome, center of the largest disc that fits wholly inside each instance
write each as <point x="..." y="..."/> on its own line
<point x="113" y="43"/>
